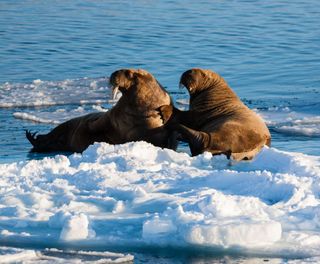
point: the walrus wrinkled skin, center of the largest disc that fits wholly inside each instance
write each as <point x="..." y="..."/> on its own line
<point x="217" y="120"/>
<point x="134" y="117"/>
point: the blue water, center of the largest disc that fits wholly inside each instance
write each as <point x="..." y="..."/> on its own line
<point x="268" y="51"/>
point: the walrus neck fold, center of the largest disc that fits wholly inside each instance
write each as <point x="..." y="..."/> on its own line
<point x="214" y="97"/>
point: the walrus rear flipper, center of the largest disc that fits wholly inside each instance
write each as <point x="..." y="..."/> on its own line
<point x="43" y="143"/>
<point x="31" y="137"/>
<point x="198" y="141"/>
<point x="38" y="142"/>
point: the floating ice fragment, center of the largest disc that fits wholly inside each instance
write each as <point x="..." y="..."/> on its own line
<point x="245" y="234"/>
<point x="76" y="227"/>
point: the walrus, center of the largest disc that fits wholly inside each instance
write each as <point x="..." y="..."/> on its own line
<point x="217" y="120"/>
<point x="134" y="117"/>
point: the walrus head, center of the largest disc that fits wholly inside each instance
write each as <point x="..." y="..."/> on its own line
<point x="124" y="79"/>
<point x="196" y="80"/>
<point x="139" y="87"/>
<point x="207" y="89"/>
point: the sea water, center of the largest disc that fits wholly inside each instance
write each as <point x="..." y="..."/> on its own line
<point x="54" y="60"/>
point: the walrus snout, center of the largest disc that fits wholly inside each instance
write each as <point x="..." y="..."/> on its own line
<point x="121" y="80"/>
<point x="118" y="82"/>
<point x="189" y="79"/>
<point x="124" y="79"/>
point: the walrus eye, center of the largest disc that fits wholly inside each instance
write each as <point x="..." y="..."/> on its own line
<point x="115" y="91"/>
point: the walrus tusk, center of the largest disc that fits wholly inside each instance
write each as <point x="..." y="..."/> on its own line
<point x="115" y="91"/>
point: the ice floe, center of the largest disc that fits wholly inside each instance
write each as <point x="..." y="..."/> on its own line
<point x="46" y="93"/>
<point x="286" y="121"/>
<point x="136" y="195"/>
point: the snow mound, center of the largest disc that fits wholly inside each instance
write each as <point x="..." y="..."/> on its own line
<point x="137" y="195"/>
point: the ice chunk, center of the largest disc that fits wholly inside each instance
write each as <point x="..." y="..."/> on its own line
<point x="76" y="227"/>
<point x="244" y="234"/>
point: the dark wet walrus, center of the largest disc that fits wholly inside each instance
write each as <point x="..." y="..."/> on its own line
<point x="217" y="120"/>
<point x="134" y="117"/>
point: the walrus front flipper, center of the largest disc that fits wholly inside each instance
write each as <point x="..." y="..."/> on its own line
<point x="173" y="140"/>
<point x="168" y="114"/>
<point x="171" y="116"/>
<point x="198" y="141"/>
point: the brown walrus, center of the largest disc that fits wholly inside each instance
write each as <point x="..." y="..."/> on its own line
<point x="134" y="117"/>
<point x="217" y="120"/>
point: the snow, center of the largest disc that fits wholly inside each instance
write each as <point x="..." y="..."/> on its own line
<point x="137" y="195"/>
